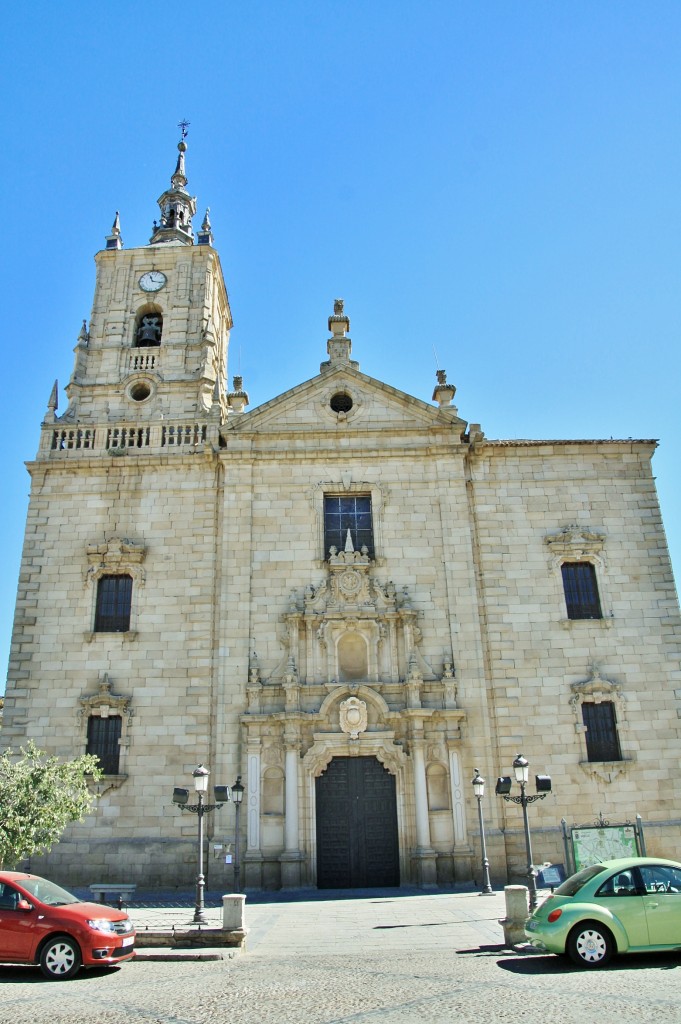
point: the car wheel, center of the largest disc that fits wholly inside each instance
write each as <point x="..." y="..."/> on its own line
<point x="590" y="945"/>
<point x="60" y="958"/>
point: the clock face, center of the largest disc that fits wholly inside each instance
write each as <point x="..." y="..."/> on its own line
<point x="152" y="281"/>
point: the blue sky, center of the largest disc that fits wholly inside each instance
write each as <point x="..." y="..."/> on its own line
<point x="493" y="184"/>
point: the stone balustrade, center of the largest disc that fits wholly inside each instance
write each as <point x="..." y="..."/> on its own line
<point x="64" y="441"/>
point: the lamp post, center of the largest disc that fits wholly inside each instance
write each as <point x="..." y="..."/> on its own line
<point x="181" y="798"/>
<point x="521" y="769"/>
<point x="479" y="789"/>
<point x="237" y="797"/>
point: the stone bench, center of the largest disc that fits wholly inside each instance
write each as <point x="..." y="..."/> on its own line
<point x="102" y="889"/>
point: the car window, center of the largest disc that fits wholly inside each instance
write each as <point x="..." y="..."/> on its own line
<point x="8" y="897"/>
<point x="660" y="878"/>
<point x="574" y="883"/>
<point x="622" y="883"/>
<point x="48" y="892"/>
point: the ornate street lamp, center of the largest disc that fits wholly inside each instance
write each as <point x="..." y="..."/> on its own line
<point x="479" y="789"/>
<point x="181" y="798"/>
<point x="521" y="770"/>
<point x="237" y="797"/>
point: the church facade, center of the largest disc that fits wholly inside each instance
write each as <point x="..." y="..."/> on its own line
<point x="347" y="596"/>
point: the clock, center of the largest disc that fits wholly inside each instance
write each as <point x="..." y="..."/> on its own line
<point x="152" y="281"/>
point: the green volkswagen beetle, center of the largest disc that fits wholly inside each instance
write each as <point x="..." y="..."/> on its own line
<point x="619" y="906"/>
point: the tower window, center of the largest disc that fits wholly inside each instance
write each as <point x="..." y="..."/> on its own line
<point x="602" y="742"/>
<point x="581" y="590"/>
<point x="348" y="512"/>
<point x="103" y="740"/>
<point x="114" y="601"/>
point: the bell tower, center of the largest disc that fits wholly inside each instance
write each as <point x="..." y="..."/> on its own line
<point x="155" y="350"/>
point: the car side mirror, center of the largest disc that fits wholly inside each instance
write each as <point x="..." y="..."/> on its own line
<point x="24" y="905"/>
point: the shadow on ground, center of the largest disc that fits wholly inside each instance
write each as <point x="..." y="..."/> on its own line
<point x="29" y="974"/>
<point x="548" y="965"/>
<point x="154" y="898"/>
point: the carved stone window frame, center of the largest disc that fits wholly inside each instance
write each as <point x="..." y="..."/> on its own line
<point x="103" y="704"/>
<point x="576" y="543"/>
<point x="117" y="556"/>
<point x="596" y="689"/>
<point x="345" y="485"/>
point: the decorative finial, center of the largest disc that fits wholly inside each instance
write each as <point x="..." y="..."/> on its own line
<point x="443" y="392"/>
<point x="183" y="125"/>
<point x="339" y="323"/>
<point x="237" y="399"/>
<point x="205" y="235"/>
<point x="339" y="345"/>
<point x="52" y="403"/>
<point x="114" y="240"/>
<point x="83" y="336"/>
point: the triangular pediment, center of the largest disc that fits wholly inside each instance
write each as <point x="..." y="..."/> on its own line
<point x="375" y="406"/>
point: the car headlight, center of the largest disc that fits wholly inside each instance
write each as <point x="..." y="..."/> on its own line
<point x="101" y="924"/>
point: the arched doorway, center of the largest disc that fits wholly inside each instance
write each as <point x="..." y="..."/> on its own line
<point x="357" y="840"/>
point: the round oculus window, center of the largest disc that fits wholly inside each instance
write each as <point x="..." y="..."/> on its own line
<point x="341" y="402"/>
<point x="140" y="391"/>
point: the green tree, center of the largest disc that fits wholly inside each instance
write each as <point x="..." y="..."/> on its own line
<point x="39" y="796"/>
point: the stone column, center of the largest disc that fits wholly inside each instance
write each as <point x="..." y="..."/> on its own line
<point x="462" y="851"/>
<point x="253" y="856"/>
<point x="292" y="817"/>
<point x="424" y="856"/>
<point x="291" y="858"/>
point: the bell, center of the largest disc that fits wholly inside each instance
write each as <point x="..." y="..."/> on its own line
<point x="149" y="331"/>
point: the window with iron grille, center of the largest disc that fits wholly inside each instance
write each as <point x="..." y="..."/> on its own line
<point x="348" y="512"/>
<point x="114" y="601"/>
<point x="103" y="739"/>
<point x="581" y="590"/>
<point x="602" y="742"/>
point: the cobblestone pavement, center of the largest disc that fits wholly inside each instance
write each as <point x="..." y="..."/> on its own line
<point x="372" y="959"/>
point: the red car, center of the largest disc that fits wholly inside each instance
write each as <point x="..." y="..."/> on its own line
<point x="41" y="923"/>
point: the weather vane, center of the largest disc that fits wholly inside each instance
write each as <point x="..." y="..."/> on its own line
<point x="183" y="125"/>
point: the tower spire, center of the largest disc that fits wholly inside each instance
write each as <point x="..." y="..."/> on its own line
<point x="176" y="205"/>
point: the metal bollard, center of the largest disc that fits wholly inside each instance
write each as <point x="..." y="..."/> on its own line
<point x="517" y="913"/>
